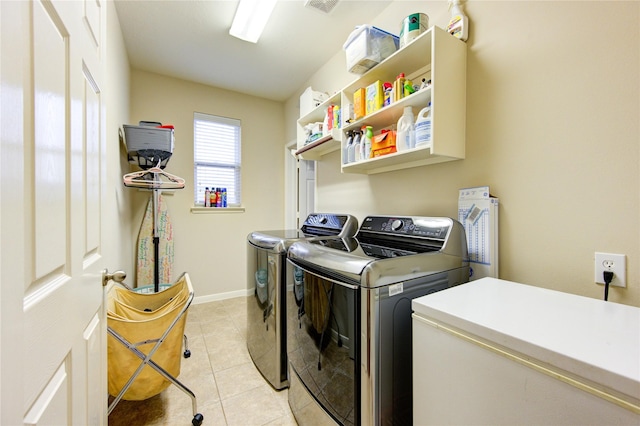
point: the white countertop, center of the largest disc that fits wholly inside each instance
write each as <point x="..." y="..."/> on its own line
<point x="593" y="339"/>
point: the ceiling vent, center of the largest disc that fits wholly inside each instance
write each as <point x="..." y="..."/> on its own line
<point x="325" y="6"/>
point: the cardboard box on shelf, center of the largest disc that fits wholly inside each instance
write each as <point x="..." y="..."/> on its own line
<point x="359" y="104"/>
<point x="384" y="143"/>
<point x="375" y="97"/>
<point x="310" y="99"/>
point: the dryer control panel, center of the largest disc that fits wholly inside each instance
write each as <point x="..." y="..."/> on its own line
<point x="330" y="224"/>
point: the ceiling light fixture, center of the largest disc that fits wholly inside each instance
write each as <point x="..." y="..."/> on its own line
<point x="251" y="18"/>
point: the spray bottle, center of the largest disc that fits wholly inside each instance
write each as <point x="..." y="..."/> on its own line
<point x="347" y="145"/>
<point x="366" y="144"/>
<point x="459" y="23"/>
<point x="355" y="145"/>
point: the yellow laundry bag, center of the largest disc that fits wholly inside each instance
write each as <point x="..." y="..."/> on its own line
<point x="139" y="317"/>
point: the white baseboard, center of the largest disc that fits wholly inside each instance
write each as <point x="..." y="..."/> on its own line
<point x="222" y="296"/>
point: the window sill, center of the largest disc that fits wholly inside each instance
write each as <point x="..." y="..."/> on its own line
<point x="216" y="210"/>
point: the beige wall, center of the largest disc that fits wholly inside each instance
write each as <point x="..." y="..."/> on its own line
<point x="212" y="247"/>
<point x="118" y="228"/>
<point x="553" y="110"/>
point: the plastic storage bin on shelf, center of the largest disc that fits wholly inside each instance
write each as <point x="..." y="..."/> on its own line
<point x="367" y="46"/>
<point x="148" y="145"/>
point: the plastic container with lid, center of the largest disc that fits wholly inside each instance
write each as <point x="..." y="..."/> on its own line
<point x="405" y="134"/>
<point x="367" y="46"/>
<point x="423" y="127"/>
<point x="412" y="26"/>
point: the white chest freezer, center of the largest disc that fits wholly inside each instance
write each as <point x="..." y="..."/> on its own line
<point x="497" y="352"/>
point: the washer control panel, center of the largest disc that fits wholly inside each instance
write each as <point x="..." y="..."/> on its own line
<point x="426" y="227"/>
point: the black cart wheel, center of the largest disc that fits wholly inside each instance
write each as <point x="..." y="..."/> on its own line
<point x="197" y="419"/>
<point x="187" y="352"/>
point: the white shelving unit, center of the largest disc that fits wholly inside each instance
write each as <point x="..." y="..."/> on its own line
<point x="435" y="55"/>
<point x="317" y="149"/>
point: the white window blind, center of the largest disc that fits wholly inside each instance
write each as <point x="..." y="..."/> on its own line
<point x="216" y="156"/>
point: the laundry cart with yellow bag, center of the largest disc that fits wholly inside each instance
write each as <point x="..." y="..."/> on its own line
<point x="144" y="344"/>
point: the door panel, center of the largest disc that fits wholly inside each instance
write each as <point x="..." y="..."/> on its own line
<point x="51" y="406"/>
<point x="306" y="189"/>
<point x="49" y="203"/>
<point x="93" y="338"/>
<point x="52" y="320"/>
<point x="92" y="161"/>
<point x="92" y="12"/>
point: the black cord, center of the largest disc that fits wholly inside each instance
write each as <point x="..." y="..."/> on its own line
<point x="608" y="277"/>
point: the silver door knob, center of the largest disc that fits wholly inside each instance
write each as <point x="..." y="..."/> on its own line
<point x="117" y="276"/>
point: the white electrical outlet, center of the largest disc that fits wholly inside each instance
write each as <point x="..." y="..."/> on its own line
<point x="615" y="263"/>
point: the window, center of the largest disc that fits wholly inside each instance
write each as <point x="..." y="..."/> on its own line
<point x="216" y="156"/>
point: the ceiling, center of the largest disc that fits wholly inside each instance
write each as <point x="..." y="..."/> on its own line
<point x="190" y="40"/>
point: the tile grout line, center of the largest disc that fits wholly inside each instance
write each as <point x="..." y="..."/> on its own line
<point x="204" y="320"/>
<point x="213" y="374"/>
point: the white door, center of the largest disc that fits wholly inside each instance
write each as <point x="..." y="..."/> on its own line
<point x="306" y="189"/>
<point x="52" y="168"/>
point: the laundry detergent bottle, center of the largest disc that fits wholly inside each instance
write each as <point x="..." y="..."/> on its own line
<point x="405" y="131"/>
<point x="424" y="127"/>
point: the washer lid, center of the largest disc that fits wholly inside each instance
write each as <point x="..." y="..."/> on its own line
<point x="280" y="240"/>
<point x="341" y="259"/>
<point x="316" y="226"/>
<point x="387" y="250"/>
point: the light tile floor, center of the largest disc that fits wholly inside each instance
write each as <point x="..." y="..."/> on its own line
<point x="228" y="387"/>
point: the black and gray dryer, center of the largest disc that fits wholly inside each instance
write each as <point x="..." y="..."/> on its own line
<point x="268" y="274"/>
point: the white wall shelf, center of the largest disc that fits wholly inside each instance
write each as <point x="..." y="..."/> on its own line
<point x="435" y="55"/>
<point x="317" y="149"/>
<point x="399" y="160"/>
